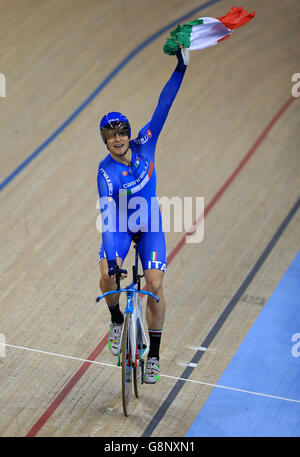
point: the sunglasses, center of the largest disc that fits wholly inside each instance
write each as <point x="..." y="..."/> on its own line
<point x="110" y="133"/>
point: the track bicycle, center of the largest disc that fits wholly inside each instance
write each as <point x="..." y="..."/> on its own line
<point x="134" y="345"/>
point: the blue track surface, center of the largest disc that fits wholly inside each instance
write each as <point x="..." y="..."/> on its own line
<point x="267" y="362"/>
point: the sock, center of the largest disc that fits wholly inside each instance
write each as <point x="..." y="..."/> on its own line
<point x="116" y="314"/>
<point x="155" y="337"/>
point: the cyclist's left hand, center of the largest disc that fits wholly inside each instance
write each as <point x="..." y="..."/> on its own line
<point x="183" y="55"/>
<point x="123" y="273"/>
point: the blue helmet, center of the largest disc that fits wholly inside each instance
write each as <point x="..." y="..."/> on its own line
<point x="112" y="120"/>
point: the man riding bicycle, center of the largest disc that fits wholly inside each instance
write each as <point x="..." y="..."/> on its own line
<point x="127" y="179"/>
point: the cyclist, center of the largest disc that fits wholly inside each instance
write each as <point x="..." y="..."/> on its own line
<point x="127" y="180"/>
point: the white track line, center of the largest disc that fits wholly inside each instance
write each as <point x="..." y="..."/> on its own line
<point x="60" y="355"/>
<point x="176" y="378"/>
<point x="200" y="348"/>
<point x="233" y="388"/>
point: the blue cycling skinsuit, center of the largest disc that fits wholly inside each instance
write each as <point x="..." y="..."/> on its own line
<point x="127" y="194"/>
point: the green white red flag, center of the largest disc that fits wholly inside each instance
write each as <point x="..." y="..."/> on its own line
<point x="206" y="31"/>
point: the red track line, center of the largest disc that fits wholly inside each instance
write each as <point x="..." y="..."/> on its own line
<point x="79" y="373"/>
<point x="68" y="387"/>
<point x="227" y="183"/>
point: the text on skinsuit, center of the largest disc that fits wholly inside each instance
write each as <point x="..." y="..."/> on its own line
<point x="108" y="180"/>
<point x="144" y="139"/>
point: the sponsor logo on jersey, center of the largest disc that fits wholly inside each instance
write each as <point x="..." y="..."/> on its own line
<point x="144" y="138"/>
<point x="108" y="181"/>
<point x="141" y="181"/>
<point x="124" y="173"/>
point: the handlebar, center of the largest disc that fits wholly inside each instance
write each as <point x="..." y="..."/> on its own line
<point x="127" y="289"/>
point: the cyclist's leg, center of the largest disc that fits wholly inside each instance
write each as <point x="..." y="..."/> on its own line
<point x="155" y="312"/>
<point x="152" y="250"/>
<point x="107" y="283"/>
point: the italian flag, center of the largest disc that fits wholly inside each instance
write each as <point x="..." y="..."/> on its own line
<point x="153" y="255"/>
<point x="206" y="31"/>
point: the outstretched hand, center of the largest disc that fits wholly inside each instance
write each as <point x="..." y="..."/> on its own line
<point x="183" y="56"/>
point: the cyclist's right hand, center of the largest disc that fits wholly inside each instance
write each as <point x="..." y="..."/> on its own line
<point x="113" y="267"/>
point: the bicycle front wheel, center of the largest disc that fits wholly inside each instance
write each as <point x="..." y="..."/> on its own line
<point x="126" y="365"/>
<point x="138" y="370"/>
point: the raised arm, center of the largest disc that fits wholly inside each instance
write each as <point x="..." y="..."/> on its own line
<point x="169" y="93"/>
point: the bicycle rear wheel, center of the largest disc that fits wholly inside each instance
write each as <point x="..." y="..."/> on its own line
<point x="126" y="365"/>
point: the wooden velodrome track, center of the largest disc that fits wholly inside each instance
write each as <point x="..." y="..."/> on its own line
<point x="232" y="136"/>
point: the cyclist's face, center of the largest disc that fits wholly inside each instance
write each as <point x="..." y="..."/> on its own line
<point x="118" y="144"/>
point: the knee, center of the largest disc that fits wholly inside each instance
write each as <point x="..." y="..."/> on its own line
<point x="154" y="285"/>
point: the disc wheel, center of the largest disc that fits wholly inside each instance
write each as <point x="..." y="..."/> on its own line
<point x="126" y="367"/>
